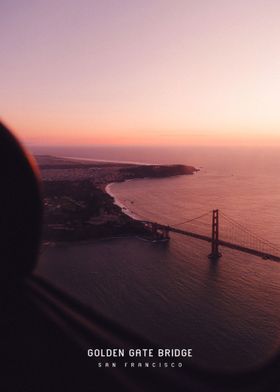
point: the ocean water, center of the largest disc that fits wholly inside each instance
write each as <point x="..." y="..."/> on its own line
<point x="227" y="311"/>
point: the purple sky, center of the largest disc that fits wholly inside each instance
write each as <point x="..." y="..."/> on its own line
<point x="141" y="72"/>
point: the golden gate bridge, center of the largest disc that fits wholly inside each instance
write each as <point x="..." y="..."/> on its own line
<point x="231" y="235"/>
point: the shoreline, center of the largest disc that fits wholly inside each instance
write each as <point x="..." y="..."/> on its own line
<point x="118" y="203"/>
<point x="79" y="201"/>
<point x="80" y="159"/>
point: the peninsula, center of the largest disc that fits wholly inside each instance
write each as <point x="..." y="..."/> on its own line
<point x="76" y="205"/>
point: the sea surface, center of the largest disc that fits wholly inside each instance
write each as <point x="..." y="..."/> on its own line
<point x="227" y="311"/>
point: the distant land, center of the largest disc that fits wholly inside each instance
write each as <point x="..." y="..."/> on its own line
<point x="76" y="205"/>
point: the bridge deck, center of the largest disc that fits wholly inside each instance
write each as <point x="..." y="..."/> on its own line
<point x="226" y="244"/>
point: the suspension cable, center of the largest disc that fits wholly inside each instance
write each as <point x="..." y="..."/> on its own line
<point x="190" y="220"/>
<point x="244" y="229"/>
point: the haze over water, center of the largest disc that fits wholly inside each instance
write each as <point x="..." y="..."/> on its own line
<point x="226" y="311"/>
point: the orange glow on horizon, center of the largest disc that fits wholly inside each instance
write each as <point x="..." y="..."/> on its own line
<point x="197" y="74"/>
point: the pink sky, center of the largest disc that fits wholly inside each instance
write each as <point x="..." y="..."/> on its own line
<point x="141" y="72"/>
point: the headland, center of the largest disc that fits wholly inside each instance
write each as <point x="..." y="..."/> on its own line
<point x="76" y="204"/>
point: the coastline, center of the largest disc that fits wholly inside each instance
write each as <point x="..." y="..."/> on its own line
<point x="118" y="203"/>
<point x="79" y="203"/>
<point x="80" y="159"/>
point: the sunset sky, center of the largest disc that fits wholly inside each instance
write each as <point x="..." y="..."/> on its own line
<point x="141" y="71"/>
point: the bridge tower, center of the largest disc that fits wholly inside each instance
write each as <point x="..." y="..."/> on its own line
<point x="215" y="254"/>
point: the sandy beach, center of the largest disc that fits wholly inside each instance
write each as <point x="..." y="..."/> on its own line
<point x="79" y="203"/>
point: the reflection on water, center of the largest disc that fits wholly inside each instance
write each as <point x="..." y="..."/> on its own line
<point x="227" y="311"/>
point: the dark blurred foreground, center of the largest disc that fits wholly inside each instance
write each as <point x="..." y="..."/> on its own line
<point x="45" y="333"/>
